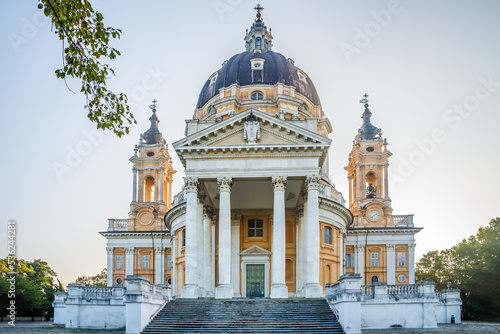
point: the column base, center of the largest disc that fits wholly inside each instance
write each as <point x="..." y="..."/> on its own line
<point x="201" y="292"/>
<point x="313" y="290"/>
<point x="189" y="291"/>
<point x="279" y="290"/>
<point x="224" y="291"/>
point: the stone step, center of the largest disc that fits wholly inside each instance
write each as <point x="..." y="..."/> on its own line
<point x="245" y="316"/>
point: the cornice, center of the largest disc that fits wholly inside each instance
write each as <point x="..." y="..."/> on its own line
<point x="384" y="230"/>
<point x="140" y="234"/>
<point x="337" y="208"/>
<point x="174" y="213"/>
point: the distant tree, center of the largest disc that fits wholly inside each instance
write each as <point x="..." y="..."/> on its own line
<point x="473" y="266"/>
<point x="35" y="286"/>
<point x="97" y="280"/>
<point x="86" y="48"/>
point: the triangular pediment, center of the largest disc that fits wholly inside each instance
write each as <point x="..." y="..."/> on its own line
<point x="234" y="132"/>
<point x="255" y="251"/>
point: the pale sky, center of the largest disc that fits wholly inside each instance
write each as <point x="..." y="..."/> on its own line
<point x="431" y="69"/>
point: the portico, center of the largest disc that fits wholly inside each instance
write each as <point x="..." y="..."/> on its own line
<point x="254" y="193"/>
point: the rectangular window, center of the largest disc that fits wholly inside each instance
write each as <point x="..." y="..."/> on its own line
<point x="401" y="259"/>
<point x="374" y="258"/>
<point x="119" y="262"/>
<point x="145" y="262"/>
<point x="349" y="260"/>
<point x="169" y="265"/>
<point x="328" y="235"/>
<point x="183" y="237"/>
<point x="255" y="228"/>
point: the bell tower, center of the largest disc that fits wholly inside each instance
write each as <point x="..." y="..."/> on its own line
<point x="152" y="180"/>
<point x="369" y="199"/>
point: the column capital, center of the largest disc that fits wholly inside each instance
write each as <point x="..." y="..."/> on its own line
<point x="207" y="212"/>
<point x="191" y="184"/>
<point x="312" y="182"/>
<point x="279" y="183"/>
<point x="201" y="196"/>
<point x="225" y="184"/>
<point x="129" y="250"/>
<point x="359" y="247"/>
<point x="412" y="246"/>
<point x="160" y="250"/>
<point x="134" y="168"/>
<point x="236" y="219"/>
<point x="390" y="247"/>
<point x="110" y="250"/>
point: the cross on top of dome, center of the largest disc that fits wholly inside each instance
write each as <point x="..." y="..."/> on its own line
<point x="259" y="8"/>
<point x="258" y="39"/>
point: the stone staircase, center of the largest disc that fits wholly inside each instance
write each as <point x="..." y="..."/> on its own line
<point x="245" y="316"/>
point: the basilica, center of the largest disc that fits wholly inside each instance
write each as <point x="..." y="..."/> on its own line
<point x="258" y="215"/>
<point x="259" y="240"/>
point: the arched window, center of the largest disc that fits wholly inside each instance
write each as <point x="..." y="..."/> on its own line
<point x="374" y="279"/>
<point x="328" y="235"/>
<point x="149" y="189"/>
<point x="266" y="45"/>
<point x="258" y="43"/>
<point x="257" y="96"/>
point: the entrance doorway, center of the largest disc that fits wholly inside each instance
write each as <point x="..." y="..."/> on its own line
<point x="255" y="280"/>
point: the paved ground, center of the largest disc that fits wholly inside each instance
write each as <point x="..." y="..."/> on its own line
<point x="48" y="328"/>
<point x="469" y="327"/>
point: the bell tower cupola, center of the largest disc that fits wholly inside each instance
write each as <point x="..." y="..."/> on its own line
<point x="258" y="39"/>
<point x="152" y="179"/>
<point x="368" y="171"/>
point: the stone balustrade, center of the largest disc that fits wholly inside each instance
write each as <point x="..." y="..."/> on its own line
<point x="402" y="220"/>
<point x="117" y="225"/>
<point x="383" y="306"/>
<point x="132" y="306"/>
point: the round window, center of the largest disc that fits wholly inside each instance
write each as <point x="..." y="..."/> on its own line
<point x="119" y="281"/>
<point x="401" y="278"/>
<point x="370" y="149"/>
<point x="257" y="96"/>
<point x="150" y="154"/>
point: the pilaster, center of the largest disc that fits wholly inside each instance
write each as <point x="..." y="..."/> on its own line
<point x="110" y="251"/>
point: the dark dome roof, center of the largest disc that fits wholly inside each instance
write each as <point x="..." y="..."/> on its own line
<point x="238" y="70"/>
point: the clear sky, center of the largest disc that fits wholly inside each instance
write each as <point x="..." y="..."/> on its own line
<point x="431" y="69"/>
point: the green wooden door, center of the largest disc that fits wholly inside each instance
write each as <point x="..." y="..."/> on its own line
<point x="255" y="280"/>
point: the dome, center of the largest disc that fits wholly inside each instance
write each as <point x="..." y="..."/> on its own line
<point x="241" y="71"/>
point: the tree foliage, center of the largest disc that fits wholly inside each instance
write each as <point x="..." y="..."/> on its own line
<point x="34" y="290"/>
<point x="86" y="47"/>
<point x="97" y="280"/>
<point x="473" y="266"/>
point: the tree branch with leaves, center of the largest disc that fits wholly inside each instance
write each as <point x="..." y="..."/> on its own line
<point x="86" y="47"/>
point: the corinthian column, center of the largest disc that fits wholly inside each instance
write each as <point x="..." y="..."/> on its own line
<point x="278" y="285"/>
<point x="207" y="249"/>
<point x="190" y="288"/>
<point x="312" y="287"/>
<point x="224" y="290"/>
